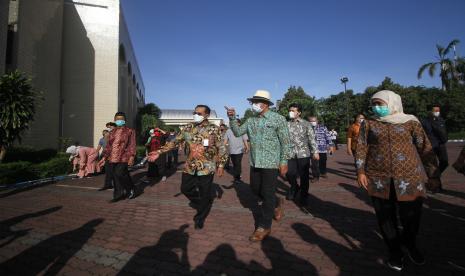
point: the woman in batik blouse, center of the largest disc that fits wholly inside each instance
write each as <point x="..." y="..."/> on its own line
<point x="394" y="160"/>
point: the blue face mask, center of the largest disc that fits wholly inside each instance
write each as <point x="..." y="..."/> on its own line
<point x="381" y="110"/>
<point x="120" y="123"/>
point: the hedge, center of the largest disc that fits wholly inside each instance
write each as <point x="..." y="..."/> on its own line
<point x="20" y="171"/>
<point x="28" y="154"/>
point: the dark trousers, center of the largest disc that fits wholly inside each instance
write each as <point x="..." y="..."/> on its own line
<point x="198" y="189"/>
<point x="236" y="160"/>
<point x="122" y="180"/>
<point x="108" y="176"/>
<point x="441" y="153"/>
<point x="319" y="166"/>
<point x="173" y="157"/>
<point x="263" y="183"/>
<point x="298" y="167"/>
<point x="409" y="213"/>
<point x="156" y="168"/>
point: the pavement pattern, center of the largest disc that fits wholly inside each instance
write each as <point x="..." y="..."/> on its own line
<point x="70" y="228"/>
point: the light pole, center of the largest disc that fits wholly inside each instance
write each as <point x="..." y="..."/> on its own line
<point x="344" y="80"/>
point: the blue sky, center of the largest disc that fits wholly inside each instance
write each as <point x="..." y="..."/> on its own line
<point x="218" y="52"/>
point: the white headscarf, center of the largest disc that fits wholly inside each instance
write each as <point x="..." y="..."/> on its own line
<point x="73" y="150"/>
<point x="394" y="103"/>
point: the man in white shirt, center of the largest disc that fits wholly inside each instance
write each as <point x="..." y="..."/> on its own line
<point x="237" y="147"/>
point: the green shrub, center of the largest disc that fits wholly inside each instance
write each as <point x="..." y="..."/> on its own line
<point x="29" y="154"/>
<point x="15" y="172"/>
<point x="140" y="152"/>
<point x="57" y="166"/>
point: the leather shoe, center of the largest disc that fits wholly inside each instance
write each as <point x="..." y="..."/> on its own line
<point x="279" y="211"/>
<point x="132" y="194"/>
<point x="259" y="234"/>
<point x="116" y="199"/>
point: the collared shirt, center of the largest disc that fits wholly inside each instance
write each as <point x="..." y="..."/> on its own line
<point x="235" y="144"/>
<point x="207" y="150"/>
<point x="121" y="145"/>
<point x="323" y="138"/>
<point x="270" y="146"/>
<point x="302" y="138"/>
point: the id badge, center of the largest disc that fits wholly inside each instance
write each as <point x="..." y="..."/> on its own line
<point x="205" y="142"/>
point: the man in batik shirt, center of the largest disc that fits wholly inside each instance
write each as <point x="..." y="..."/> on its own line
<point x="269" y="151"/>
<point x="303" y="147"/>
<point x="207" y="154"/>
<point x="120" y="152"/>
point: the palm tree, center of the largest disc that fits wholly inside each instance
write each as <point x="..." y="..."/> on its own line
<point x="447" y="65"/>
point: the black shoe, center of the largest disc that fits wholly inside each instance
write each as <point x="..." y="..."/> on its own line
<point x="415" y="256"/>
<point x="132" y="194"/>
<point x="198" y="224"/>
<point x="303" y="201"/>
<point x="395" y="263"/>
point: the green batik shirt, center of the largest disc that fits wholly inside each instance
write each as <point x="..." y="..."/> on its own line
<point x="270" y="145"/>
<point x="207" y="150"/>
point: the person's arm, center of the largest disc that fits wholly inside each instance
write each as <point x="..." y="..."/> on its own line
<point x="169" y="146"/>
<point x="349" y="141"/>
<point x="284" y="139"/>
<point x="82" y="158"/>
<point x="245" y="140"/>
<point x="222" y="152"/>
<point x="131" y="148"/>
<point x="148" y="141"/>
<point x="425" y="151"/>
<point x="312" y="142"/>
<point x="361" y="154"/>
<point x="237" y="129"/>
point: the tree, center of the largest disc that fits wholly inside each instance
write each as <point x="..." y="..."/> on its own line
<point x="18" y="101"/>
<point x="148" y="117"/>
<point x="299" y="96"/>
<point x="448" y="73"/>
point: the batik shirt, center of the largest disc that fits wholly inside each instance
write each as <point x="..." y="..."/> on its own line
<point x="323" y="138"/>
<point x="400" y="153"/>
<point x="270" y="146"/>
<point x="207" y="150"/>
<point x="302" y="138"/>
<point x="121" y="145"/>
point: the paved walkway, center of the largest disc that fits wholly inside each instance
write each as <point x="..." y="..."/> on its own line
<point x="69" y="228"/>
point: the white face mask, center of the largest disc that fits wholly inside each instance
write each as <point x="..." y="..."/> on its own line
<point x="436" y="114"/>
<point x="198" y="118"/>
<point x="257" y="108"/>
<point x="291" y="114"/>
<point x="313" y="123"/>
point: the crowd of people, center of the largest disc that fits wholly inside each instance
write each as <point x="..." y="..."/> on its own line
<point x="397" y="159"/>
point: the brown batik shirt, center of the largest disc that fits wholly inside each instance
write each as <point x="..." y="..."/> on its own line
<point x="121" y="145"/>
<point x="400" y="153"/>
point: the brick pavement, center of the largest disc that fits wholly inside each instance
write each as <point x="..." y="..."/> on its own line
<point x="69" y="228"/>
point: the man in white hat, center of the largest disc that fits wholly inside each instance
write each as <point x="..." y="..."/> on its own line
<point x="270" y="149"/>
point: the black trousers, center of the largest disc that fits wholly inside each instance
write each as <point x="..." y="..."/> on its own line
<point x="263" y="183"/>
<point x="298" y="167"/>
<point x="122" y="180"/>
<point x="410" y="215"/>
<point x="156" y="169"/>
<point x="173" y="157"/>
<point x="108" y="176"/>
<point x="441" y="153"/>
<point x="319" y="166"/>
<point x="236" y="160"/>
<point x="198" y="189"/>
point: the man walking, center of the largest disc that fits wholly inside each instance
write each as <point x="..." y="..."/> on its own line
<point x="237" y="147"/>
<point x="325" y="145"/>
<point x="207" y="154"/>
<point x="435" y="128"/>
<point x="120" y="152"/>
<point x="303" y="147"/>
<point x="270" y="150"/>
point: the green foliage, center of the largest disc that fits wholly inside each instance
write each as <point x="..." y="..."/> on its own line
<point x="298" y="96"/>
<point x="140" y="151"/>
<point x="17" y="107"/>
<point x="15" y="172"/>
<point x="29" y="154"/>
<point x="148" y="117"/>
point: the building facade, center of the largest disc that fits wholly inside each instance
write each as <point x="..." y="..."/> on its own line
<point x="78" y="53"/>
